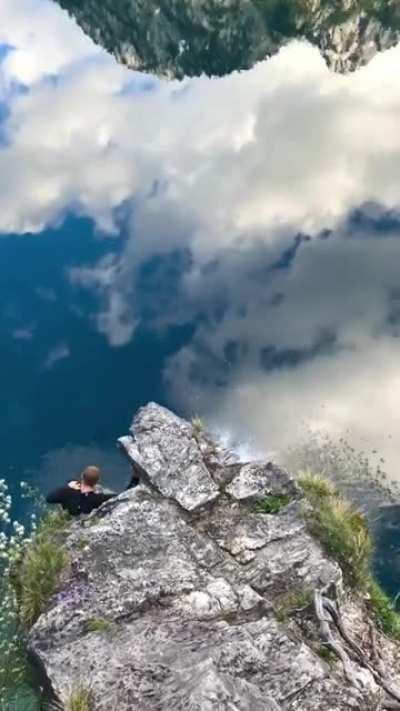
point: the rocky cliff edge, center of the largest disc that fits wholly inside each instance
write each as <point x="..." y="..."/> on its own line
<point x="175" y="594"/>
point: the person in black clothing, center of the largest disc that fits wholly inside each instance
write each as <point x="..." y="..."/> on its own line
<point x="83" y="496"/>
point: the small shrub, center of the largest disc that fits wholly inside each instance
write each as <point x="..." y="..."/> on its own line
<point x="97" y="624"/>
<point x="272" y="504"/>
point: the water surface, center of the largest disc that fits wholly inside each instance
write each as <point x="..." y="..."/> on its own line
<point x="228" y="247"/>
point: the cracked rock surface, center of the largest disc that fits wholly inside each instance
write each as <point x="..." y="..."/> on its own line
<point x="186" y="579"/>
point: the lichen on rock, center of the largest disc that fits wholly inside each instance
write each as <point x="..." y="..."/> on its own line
<point x="183" y="578"/>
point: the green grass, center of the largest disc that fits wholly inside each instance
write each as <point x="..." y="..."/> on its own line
<point x="37" y="575"/>
<point x="80" y="699"/>
<point x="340" y="528"/>
<point x="326" y="654"/>
<point x="22" y="700"/>
<point x="198" y="425"/>
<point x="302" y="17"/>
<point x="97" y="624"/>
<point x="343" y="532"/>
<point x="292" y="602"/>
<point x="272" y="504"/>
<point x="315" y="487"/>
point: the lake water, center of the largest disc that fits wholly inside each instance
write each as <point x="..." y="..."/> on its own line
<point x="228" y="247"/>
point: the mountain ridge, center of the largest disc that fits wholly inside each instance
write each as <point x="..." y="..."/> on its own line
<point x="178" y="38"/>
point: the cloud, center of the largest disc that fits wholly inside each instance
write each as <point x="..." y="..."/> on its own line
<point x="275" y="192"/>
<point x="41" y="39"/>
<point x="325" y="353"/>
<point x="59" y="352"/>
<point x="300" y="147"/>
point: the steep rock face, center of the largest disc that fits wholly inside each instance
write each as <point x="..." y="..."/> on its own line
<point x="184" y="580"/>
<point x="177" y="38"/>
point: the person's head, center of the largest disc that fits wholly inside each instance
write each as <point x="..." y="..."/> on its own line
<point x="90" y="476"/>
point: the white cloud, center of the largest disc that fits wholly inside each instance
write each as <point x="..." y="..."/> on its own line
<point x="43" y="40"/>
<point x="288" y="143"/>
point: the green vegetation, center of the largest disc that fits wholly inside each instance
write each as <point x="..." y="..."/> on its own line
<point x="36" y="575"/>
<point x="358" y="476"/>
<point x="339" y="526"/>
<point x="292" y="602"/>
<point x="80" y="699"/>
<point x="272" y="504"/>
<point x="326" y="654"/>
<point x="198" y="425"/>
<point x="98" y="624"/>
<point x="343" y="532"/>
<point x="316" y="487"/>
<point x="293" y="17"/>
<point x="81" y="544"/>
<point x="23" y="701"/>
<point x="28" y="573"/>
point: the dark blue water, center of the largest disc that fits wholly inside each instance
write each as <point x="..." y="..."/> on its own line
<point x="66" y="394"/>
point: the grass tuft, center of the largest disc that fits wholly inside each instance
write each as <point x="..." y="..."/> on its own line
<point x="343" y="532"/>
<point x="197" y="425"/>
<point x="37" y="575"/>
<point x="97" y="624"/>
<point x="340" y="528"/>
<point x="326" y="654"/>
<point x="315" y="486"/>
<point x="272" y="504"/>
<point x="80" y="698"/>
<point x="292" y="602"/>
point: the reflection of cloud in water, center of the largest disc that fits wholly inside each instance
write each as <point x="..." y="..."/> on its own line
<point x="25" y="333"/>
<point x="59" y="352"/>
<point x="285" y="329"/>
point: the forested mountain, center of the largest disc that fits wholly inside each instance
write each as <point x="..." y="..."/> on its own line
<point x="189" y="37"/>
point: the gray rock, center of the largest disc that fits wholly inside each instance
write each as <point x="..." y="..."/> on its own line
<point x="177" y="38"/>
<point x="165" y="446"/>
<point x="186" y="593"/>
<point x="257" y="480"/>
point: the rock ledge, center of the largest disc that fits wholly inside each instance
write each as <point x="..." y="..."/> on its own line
<point x="187" y="579"/>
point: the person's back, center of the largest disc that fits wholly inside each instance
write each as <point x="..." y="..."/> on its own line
<point x="80" y="497"/>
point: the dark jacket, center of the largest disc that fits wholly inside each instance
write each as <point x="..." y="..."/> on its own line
<point x="76" y="502"/>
